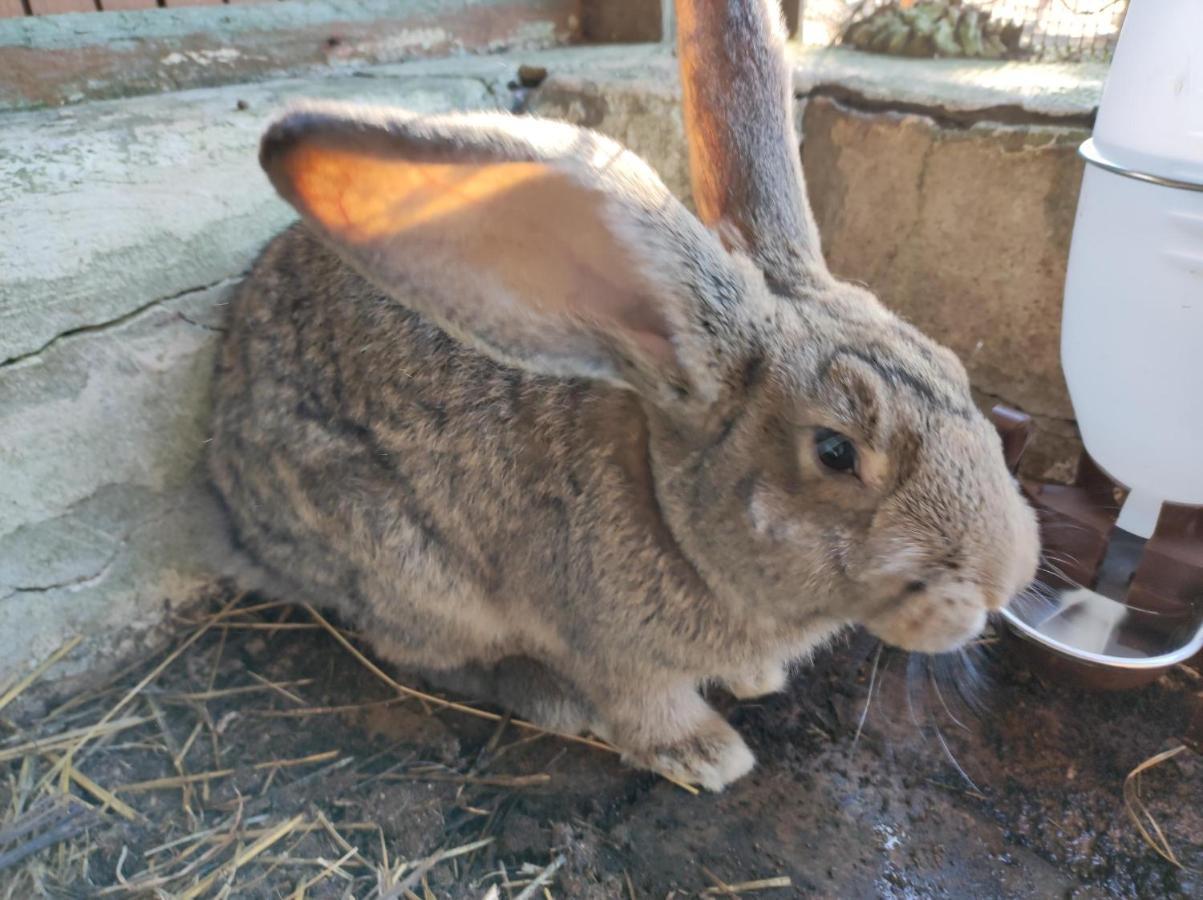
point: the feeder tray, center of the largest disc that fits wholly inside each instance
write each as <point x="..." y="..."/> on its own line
<point x="1110" y="609"/>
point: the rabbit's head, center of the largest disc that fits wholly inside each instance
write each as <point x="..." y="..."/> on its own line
<point x="816" y="459"/>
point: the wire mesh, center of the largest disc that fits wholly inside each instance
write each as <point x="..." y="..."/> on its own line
<point x="1043" y="30"/>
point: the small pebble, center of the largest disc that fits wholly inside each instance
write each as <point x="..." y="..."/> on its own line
<point x="531" y="76"/>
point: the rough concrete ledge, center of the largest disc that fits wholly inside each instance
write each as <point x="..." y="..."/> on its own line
<point x="105" y="518"/>
<point x="954" y="88"/>
<point x="122" y="203"/>
<point x="52" y="60"/>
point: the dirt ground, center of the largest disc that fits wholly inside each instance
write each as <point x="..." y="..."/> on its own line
<point x="262" y="758"/>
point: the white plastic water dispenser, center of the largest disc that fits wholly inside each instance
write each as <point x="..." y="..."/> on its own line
<point x="1132" y="332"/>
<point x="1132" y="351"/>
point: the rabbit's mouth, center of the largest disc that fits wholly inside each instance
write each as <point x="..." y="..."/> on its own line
<point x="933" y="619"/>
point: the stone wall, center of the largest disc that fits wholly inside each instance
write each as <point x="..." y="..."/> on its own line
<point x="127" y="221"/>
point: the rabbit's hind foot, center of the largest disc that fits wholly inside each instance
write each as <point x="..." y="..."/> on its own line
<point x="522" y="686"/>
<point x="769" y="678"/>
<point x="713" y="756"/>
<point x="678" y="735"/>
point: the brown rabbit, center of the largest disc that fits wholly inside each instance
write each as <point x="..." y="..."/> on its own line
<point x="526" y="421"/>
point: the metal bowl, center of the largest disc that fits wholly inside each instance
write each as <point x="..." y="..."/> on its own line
<point x="1100" y="641"/>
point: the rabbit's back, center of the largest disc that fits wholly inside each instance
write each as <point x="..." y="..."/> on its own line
<point x="379" y="465"/>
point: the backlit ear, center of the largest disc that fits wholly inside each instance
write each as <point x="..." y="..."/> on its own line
<point x="737" y="93"/>
<point x="545" y="246"/>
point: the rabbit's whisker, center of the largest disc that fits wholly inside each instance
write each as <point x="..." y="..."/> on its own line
<point x="1058" y="572"/>
<point x="913" y="665"/>
<point x="931" y="674"/>
<point x="864" y="713"/>
<point x="952" y="759"/>
<point x="1063" y="559"/>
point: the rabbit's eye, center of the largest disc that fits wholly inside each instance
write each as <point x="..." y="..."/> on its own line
<point x="836" y="451"/>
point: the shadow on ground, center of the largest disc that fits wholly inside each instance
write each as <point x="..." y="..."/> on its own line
<point x="265" y="760"/>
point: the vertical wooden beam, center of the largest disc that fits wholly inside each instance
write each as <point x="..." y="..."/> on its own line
<point x="55" y="7"/>
<point x="123" y="5"/>
<point x="792" y="11"/>
<point x="620" y="21"/>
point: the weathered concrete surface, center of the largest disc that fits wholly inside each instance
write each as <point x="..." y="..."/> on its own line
<point x="953" y="87"/>
<point x="51" y="60"/>
<point x="105" y="518"/>
<point x="965" y="232"/>
<point x="121" y="203"/>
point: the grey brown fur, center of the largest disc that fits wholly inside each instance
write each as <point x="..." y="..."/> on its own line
<point x="554" y="442"/>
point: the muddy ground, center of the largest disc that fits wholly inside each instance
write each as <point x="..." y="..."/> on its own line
<point x="314" y="760"/>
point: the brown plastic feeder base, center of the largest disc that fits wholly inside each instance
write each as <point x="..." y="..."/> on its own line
<point x="1077" y="523"/>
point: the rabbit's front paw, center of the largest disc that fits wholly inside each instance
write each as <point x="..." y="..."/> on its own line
<point x="756" y="682"/>
<point x="712" y="756"/>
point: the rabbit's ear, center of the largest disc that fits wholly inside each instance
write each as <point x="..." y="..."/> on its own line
<point x="545" y="246"/>
<point x="743" y="151"/>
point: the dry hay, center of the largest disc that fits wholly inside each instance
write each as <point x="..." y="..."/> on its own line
<point x="213" y="768"/>
<point x="139" y="761"/>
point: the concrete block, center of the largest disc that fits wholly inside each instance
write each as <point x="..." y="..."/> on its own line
<point x="105" y="516"/>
